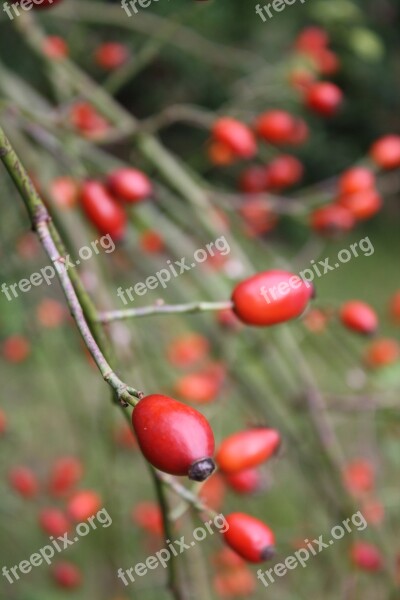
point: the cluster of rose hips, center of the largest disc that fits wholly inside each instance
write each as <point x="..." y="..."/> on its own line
<point x="78" y="505"/>
<point x="104" y="203"/>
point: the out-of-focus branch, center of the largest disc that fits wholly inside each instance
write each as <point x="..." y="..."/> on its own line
<point x="162" y="309"/>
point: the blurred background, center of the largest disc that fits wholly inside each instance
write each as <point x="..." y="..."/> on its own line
<point x="73" y="111"/>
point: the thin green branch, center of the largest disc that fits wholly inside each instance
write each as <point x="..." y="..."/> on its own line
<point x="162" y="309"/>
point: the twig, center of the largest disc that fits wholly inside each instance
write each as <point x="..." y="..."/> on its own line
<point x="161" y="309"/>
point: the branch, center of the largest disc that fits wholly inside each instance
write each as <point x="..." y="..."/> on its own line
<point x="162" y="309"/>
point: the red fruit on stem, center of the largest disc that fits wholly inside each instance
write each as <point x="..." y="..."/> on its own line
<point x="363" y="205"/>
<point x="55" y="47"/>
<point x="357" y="179"/>
<point x="258" y="216"/>
<point x="66" y="575"/>
<point x="284" y="171"/>
<point x="366" y="556"/>
<point x="271" y="297"/>
<point x="253" y="180"/>
<point x="311" y="39"/>
<point x="331" y="220"/>
<point x="83" y="504"/>
<point x="188" y="349"/>
<point x="249" y="537"/>
<point x="359" y="477"/>
<point x="111" y="55"/>
<point x="245" y="482"/>
<point x="3" y="422"/>
<point x="385" y="152"/>
<point x="53" y="521"/>
<point x="102" y="210"/>
<point x="359" y="316"/>
<point x="275" y="126"/>
<point x="236" y="136"/>
<point x="247" y="449"/>
<point x="324" y="98"/>
<point x="148" y="516"/>
<point x="86" y="119"/>
<point x="173" y="437"/>
<point x="65" y="474"/>
<point x="382" y="352"/>
<point x="130" y="185"/>
<point x="24" y="482"/>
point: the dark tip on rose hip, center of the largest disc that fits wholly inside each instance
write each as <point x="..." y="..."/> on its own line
<point x="201" y="469"/>
<point x="268" y="553"/>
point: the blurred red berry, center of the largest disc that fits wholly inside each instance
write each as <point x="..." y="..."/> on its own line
<point x="253" y="180"/>
<point x="279" y="127"/>
<point x="53" y="521"/>
<point x="66" y="575"/>
<point x="245" y="482"/>
<point x="125" y="437"/>
<point x="238" y="583"/>
<point x="331" y="220"/>
<point x="236" y="136"/>
<point x="359" y="477"/>
<point x="64" y="192"/>
<point x="385" y="152"/>
<point x="247" y="449"/>
<point x="324" y="98"/>
<point x="64" y="476"/>
<point x="151" y="242"/>
<point x="147" y="515"/>
<point x="212" y="492"/>
<point x="24" y="482"/>
<point x="382" y="352"/>
<point x="83" y="504"/>
<point x="188" y="349"/>
<point x="3" y="422"/>
<point x="359" y="316"/>
<point x="284" y="171"/>
<point x="311" y="38"/>
<point x="16" y="349"/>
<point x="130" y="185"/>
<point x="356" y="179"/>
<point x="366" y="556"/>
<point x="103" y="210"/>
<point x="394" y="307"/>
<point x="363" y="205"/>
<point x="55" y="47"/>
<point x="50" y="313"/>
<point x="111" y="55"/>
<point x="220" y="154"/>
<point x="86" y="119"/>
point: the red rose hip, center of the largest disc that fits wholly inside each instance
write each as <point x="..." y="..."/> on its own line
<point x="359" y="316"/>
<point x="249" y="537"/>
<point x="173" y="437"/>
<point x="271" y="297"/>
<point x="247" y="449"/>
<point x="102" y="210"/>
<point x="130" y="185"/>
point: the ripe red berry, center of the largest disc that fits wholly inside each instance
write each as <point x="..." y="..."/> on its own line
<point x="356" y="179"/>
<point x="85" y="118"/>
<point x="324" y="98"/>
<point x="270" y="297"/>
<point x="236" y="136"/>
<point x="53" y="521"/>
<point x="201" y="387"/>
<point x="258" y="216"/>
<point x="248" y="481"/>
<point x="55" y="47"/>
<point x="102" y="210"/>
<point x="394" y="307"/>
<point x="386" y="152"/>
<point x="83" y="504"/>
<point x="151" y="242"/>
<point x="3" y="422"/>
<point x="66" y="575"/>
<point x="64" y="192"/>
<point x="235" y="583"/>
<point x="253" y="180"/>
<point x="363" y="205"/>
<point x="65" y="474"/>
<point x="366" y="556"/>
<point x="226" y="558"/>
<point x="129" y="184"/>
<point x="359" y="316"/>
<point x="311" y="39"/>
<point x="382" y="352"/>
<point x="111" y="55"/>
<point x="276" y="126"/>
<point x="359" y="477"/>
<point x="188" y="349"/>
<point x="331" y="220"/>
<point x="247" y="449"/>
<point x="173" y="437"/>
<point x="148" y="516"/>
<point x="284" y="171"/>
<point x="16" y="349"/>
<point x="24" y="482"/>
<point x="249" y="537"/>
<point x="219" y="154"/>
